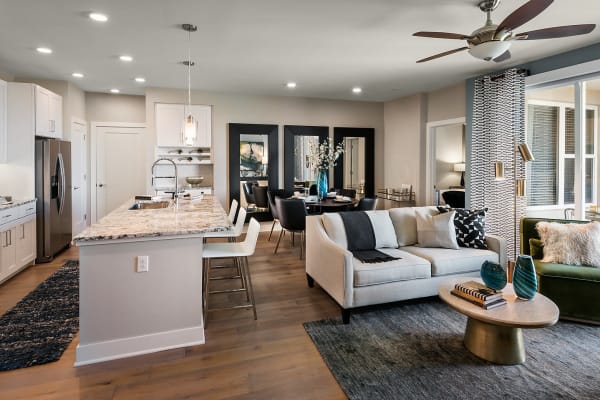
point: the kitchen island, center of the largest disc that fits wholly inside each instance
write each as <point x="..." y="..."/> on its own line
<point x="141" y="278"/>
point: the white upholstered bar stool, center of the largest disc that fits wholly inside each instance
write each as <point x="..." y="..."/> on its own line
<point x="239" y="251"/>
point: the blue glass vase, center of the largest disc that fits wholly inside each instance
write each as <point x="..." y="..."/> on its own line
<point x="322" y="186"/>
<point x="493" y="275"/>
<point x="524" y="278"/>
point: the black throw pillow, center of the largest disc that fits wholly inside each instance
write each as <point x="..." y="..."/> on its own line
<point x="469" y="226"/>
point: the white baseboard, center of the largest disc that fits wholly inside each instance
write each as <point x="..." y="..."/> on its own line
<point x="133" y="346"/>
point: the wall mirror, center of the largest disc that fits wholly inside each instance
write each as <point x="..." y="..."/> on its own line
<point x="297" y="142"/>
<point x="446" y="165"/>
<point x="356" y="168"/>
<point x="252" y="159"/>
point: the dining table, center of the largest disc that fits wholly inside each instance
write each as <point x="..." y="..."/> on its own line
<point x="317" y="206"/>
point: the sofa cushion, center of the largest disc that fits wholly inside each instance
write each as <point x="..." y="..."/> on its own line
<point x="470" y="226"/>
<point x="536" y="248"/>
<point x="406" y="268"/>
<point x="334" y="226"/>
<point x="449" y="261"/>
<point x="436" y="230"/>
<point x="385" y="235"/>
<point x="405" y="223"/>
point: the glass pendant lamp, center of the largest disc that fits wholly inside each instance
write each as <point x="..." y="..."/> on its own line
<point x="190" y="124"/>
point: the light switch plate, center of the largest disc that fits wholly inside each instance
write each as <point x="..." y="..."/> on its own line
<point x="143" y="264"/>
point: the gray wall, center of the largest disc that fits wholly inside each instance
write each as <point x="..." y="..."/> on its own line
<point x="103" y="107"/>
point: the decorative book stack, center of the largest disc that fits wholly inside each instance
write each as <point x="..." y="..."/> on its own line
<point x="479" y="294"/>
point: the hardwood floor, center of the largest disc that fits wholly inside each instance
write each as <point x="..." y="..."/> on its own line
<point x="271" y="358"/>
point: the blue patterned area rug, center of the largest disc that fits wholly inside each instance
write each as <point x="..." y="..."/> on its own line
<point x="415" y="351"/>
<point x="40" y="327"/>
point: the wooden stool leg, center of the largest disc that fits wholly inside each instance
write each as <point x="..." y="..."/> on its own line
<point x="279" y="240"/>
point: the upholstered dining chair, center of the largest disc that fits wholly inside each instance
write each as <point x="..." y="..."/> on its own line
<point x="454" y="198"/>
<point x="348" y="193"/>
<point x="366" y="204"/>
<point x="292" y="217"/>
<point x="260" y="196"/>
<point x="248" y="193"/>
<point x="271" y="195"/>
<point x="312" y="190"/>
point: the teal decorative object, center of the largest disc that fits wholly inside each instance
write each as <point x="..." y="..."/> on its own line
<point x="524" y="278"/>
<point x="493" y="275"/>
<point x="322" y="187"/>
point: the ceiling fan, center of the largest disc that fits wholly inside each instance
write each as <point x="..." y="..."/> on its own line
<point x="492" y="42"/>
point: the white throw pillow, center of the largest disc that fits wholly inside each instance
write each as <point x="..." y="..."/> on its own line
<point x="334" y="226"/>
<point x="436" y="230"/>
<point x="385" y="235"/>
<point x="405" y="223"/>
<point x="574" y="244"/>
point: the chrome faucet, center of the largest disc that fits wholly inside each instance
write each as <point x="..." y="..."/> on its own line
<point x="176" y="193"/>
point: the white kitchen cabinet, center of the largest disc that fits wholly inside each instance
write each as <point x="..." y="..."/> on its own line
<point x="8" y="253"/>
<point x="169" y="120"/>
<point x="48" y="113"/>
<point x="17" y="238"/>
<point x="25" y="240"/>
<point x="3" y="132"/>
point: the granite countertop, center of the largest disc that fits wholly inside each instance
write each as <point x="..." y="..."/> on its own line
<point x="189" y="217"/>
<point x="15" y="203"/>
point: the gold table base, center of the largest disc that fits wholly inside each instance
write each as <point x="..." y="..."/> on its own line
<point x="496" y="343"/>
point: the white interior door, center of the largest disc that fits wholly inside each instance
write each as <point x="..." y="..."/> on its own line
<point x="120" y="171"/>
<point x="79" y="175"/>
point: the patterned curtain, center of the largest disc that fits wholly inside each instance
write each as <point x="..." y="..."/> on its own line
<point x="498" y="127"/>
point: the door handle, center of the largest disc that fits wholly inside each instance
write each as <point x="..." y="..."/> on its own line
<point x="63" y="183"/>
<point x="101" y="185"/>
<point x="75" y="187"/>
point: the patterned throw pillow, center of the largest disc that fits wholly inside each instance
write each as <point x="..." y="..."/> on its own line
<point x="469" y="226"/>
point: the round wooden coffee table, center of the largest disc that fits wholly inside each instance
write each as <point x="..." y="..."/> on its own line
<point x="496" y="335"/>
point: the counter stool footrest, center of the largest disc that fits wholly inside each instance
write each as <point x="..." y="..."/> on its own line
<point x="227" y="291"/>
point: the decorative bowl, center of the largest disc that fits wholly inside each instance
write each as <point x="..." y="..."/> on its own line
<point x="194" y="180"/>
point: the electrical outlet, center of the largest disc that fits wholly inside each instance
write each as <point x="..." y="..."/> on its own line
<point x="143" y="264"/>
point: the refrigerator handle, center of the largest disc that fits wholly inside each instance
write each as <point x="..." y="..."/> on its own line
<point x="61" y="188"/>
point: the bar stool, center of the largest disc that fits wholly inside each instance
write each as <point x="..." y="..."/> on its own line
<point x="240" y="252"/>
<point x="232" y="211"/>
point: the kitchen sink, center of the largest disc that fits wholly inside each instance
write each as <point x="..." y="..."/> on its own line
<point x="149" y="205"/>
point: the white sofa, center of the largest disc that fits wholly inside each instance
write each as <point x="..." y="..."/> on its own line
<point x="418" y="273"/>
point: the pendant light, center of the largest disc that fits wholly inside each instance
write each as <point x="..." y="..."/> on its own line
<point x="190" y="124"/>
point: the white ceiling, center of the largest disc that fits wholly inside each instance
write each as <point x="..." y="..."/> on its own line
<point x="255" y="46"/>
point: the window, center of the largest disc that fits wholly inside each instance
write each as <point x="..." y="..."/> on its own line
<point x="551" y="135"/>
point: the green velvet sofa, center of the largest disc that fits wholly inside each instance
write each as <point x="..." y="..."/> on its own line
<point x="575" y="289"/>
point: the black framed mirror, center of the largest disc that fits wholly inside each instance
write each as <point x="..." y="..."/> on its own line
<point x="356" y="168"/>
<point x="254" y="159"/>
<point x="296" y="142"/>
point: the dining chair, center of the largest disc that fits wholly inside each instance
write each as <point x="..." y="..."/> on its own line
<point x="239" y="251"/>
<point x="248" y="192"/>
<point x="366" y="204"/>
<point x="312" y="190"/>
<point x="271" y="195"/>
<point x="292" y="218"/>
<point x="348" y="193"/>
<point x="454" y="198"/>
<point x="260" y="196"/>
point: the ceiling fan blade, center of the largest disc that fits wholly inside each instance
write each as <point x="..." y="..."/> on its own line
<point x="557" y="32"/>
<point x="523" y="14"/>
<point x="443" y="54"/>
<point x="442" y="35"/>
<point x="503" y="57"/>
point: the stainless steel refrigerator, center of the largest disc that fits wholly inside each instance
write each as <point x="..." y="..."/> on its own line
<point x="53" y="193"/>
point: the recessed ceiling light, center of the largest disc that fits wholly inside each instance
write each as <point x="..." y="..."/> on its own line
<point x="139" y="79"/>
<point x="44" y="50"/>
<point x="77" y="75"/>
<point x="126" y="58"/>
<point x="291" y="85"/>
<point x="115" y="90"/>
<point x="356" y="90"/>
<point x="98" y="17"/>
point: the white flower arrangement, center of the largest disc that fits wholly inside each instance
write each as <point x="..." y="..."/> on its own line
<point x="325" y="154"/>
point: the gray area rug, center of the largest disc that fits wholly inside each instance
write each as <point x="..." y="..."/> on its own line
<point x="40" y="327"/>
<point x="415" y="351"/>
